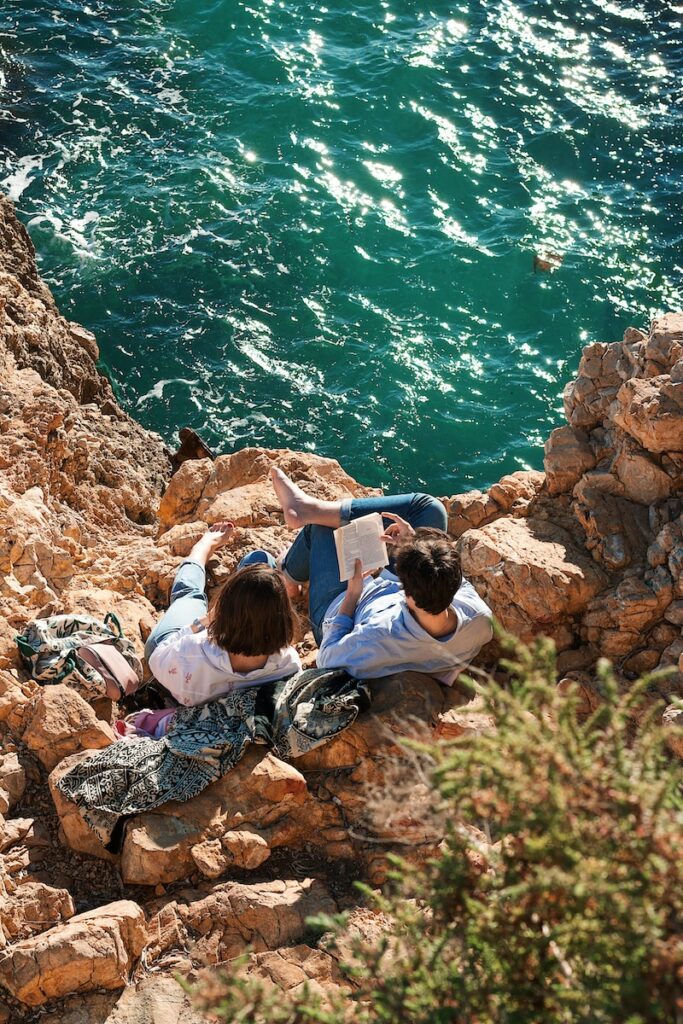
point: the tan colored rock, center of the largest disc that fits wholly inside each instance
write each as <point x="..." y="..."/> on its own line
<point x="277" y="781"/>
<point x="672" y="720"/>
<point x="617" y="530"/>
<point x="468" y="720"/>
<point x="12" y="782"/>
<point x="15" y="831"/>
<point x="180" y="539"/>
<point x="677" y="372"/>
<point x="237" y="487"/>
<point x="602" y="370"/>
<point x="210" y="858"/>
<point x="643" y="480"/>
<point x="568" y="455"/>
<point x="617" y="618"/>
<point x="245" y="848"/>
<point x="651" y="411"/>
<point x="531" y="573"/>
<point x="471" y="509"/>
<point x="158" y="848"/>
<point x="298" y="968"/>
<point x="263" y="803"/>
<point x="517" y="489"/>
<point x="32" y="908"/>
<point x="85" y="339"/>
<point x="674" y="613"/>
<point x="262" y="916"/>
<point x="665" y="343"/>
<point x="62" y="723"/>
<point x="154" y="1000"/>
<point x="182" y="495"/>
<point x="92" y="951"/>
<point x="642" y="662"/>
<point x="15" y="700"/>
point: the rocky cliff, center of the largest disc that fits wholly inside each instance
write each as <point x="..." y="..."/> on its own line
<point x="589" y="552"/>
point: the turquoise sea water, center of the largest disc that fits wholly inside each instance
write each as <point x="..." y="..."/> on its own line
<point x="314" y="225"/>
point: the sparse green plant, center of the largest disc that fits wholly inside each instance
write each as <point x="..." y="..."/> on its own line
<point x="572" y="914"/>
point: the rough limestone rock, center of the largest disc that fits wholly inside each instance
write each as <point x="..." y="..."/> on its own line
<point x="568" y="455"/>
<point x="154" y="999"/>
<point x="15" y="700"/>
<point x="220" y="922"/>
<point x="92" y="951"/>
<point x="651" y="411"/>
<point x="514" y="491"/>
<point x="295" y="969"/>
<point x="237" y="487"/>
<point x="468" y="719"/>
<point x="12" y="782"/>
<point x="664" y="345"/>
<point x="62" y="723"/>
<point x="531" y="572"/>
<point x="602" y="370"/>
<point x="616" y="530"/>
<point x="263" y="803"/>
<point x="34" y="907"/>
<point x="261" y="791"/>
<point x="672" y="720"/>
<point x="618" y="617"/>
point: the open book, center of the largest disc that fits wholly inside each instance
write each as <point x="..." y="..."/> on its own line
<point x="361" y="539"/>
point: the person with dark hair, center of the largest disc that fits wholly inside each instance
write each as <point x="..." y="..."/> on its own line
<point x="419" y="614"/>
<point x="244" y="640"/>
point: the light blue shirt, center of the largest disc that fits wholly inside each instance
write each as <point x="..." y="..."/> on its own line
<point x="384" y="637"/>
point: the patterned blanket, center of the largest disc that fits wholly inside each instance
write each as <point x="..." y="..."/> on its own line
<point x="134" y="775"/>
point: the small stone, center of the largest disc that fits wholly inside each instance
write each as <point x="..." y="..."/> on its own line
<point x="210" y="858"/>
<point x="245" y="848"/>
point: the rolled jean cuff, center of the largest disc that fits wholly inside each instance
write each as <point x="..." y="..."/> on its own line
<point x="345" y="511"/>
<point x="291" y="579"/>
<point x="281" y="564"/>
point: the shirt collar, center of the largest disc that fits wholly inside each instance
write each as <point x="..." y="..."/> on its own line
<point x="412" y="626"/>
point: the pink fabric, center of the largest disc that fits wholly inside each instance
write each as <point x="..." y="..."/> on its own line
<point x="145" y="723"/>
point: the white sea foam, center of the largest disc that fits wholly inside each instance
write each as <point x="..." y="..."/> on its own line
<point x="16" y="183"/>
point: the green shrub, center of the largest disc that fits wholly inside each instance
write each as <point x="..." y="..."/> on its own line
<point x="573" y="912"/>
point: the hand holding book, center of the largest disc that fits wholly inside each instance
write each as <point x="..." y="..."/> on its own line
<point x="398" y="531"/>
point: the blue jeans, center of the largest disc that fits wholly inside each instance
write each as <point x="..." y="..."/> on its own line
<point x="313" y="555"/>
<point x="189" y="600"/>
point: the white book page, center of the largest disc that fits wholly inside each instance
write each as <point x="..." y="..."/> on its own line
<point x="361" y="539"/>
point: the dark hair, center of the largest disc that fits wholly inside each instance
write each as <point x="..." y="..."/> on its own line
<point x="253" y="614"/>
<point x="428" y="566"/>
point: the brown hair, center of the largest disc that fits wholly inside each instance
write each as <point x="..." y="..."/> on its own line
<point x="428" y="566"/>
<point x="253" y="614"/>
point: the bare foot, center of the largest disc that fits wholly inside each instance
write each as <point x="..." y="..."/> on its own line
<point x="296" y="506"/>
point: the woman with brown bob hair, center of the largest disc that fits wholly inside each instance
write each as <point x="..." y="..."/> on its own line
<point x="244" y="640"/>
